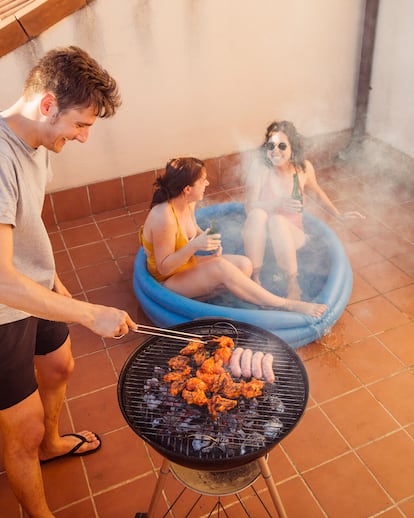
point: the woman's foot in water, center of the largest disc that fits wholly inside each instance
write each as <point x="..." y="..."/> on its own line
<point x="308" y="308"/>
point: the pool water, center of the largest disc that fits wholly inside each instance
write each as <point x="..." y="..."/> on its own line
<point x="314" y="263"/>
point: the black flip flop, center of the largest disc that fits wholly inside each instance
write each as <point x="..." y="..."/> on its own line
<point x="73" y="451"/>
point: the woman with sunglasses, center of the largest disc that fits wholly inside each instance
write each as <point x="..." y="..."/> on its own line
<point x="275" y="191"/>
<point x="171" y="238"/>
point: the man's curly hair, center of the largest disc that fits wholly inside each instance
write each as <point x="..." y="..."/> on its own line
<point x="76" y="80"/>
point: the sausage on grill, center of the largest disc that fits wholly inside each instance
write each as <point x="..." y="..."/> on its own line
<point x="267" y="366"/>
<point x="257" y="364"/>
<point x="235" y="366"/>
<point x="246" y="363"/>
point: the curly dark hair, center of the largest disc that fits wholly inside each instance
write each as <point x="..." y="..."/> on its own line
<point x="76" y="80"/>
<point x="179" y="172"/>
<point x="295" y="141"/>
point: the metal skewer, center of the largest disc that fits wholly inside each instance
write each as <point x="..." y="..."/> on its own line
<point x="184" y="336"/>
<point x="167" y="333"/>
<point x="170" y="331"/>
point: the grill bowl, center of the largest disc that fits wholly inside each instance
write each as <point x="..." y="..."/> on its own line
<point x="176" y="430"/>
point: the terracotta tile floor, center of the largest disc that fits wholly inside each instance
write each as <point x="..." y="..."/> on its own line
<point x="353" y="452"/>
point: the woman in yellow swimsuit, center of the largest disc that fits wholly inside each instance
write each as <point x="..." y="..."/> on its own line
<point x="171" y="237"/>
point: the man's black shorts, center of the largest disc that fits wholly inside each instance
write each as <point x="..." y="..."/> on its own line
<point x="19" y="342"/>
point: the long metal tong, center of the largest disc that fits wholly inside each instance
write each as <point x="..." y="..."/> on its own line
<point x="167" y="333"/>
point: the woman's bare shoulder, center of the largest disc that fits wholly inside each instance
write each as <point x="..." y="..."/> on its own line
<point x="308" y="173"/>
<point x="162" y="209"/>
<point x="160" y="214"/>
<point x="308" y="167"/>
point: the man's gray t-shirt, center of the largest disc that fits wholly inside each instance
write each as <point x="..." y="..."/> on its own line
<point x="24" y="173"/>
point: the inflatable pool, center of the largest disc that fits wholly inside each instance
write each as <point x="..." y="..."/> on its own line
<point x="325" y="277"/>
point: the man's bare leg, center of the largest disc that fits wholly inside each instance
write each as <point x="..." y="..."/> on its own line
<point x="53" y="371"/>
<point x="22" y="431"/>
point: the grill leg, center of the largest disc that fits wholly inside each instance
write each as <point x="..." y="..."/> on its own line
<point x="164" y="470"/>
<point x="267" y="475"/>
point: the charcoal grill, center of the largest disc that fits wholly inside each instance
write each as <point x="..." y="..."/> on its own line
<point x="188" y="436"/>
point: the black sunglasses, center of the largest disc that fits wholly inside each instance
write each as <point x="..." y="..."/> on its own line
<point x="271" y="145"/>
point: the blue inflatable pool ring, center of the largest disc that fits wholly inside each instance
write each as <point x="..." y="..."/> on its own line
<point x="325" y="277"/>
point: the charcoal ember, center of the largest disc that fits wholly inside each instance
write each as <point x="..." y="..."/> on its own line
<point x="188" y="425"/>
<point x="152" y="401"/>
<point x="164" y="391"/>
<point x="171" y="420"/>
<point x="220" y="442"/>
<point x="159" y="372"/>
<point x="275" y="403"/>
<point x="232" y="423"/>
<point x="273" y="428"/>
<point x="200" y="442"/>
<point x="251" y="442"/>
<point x="152" y="383"/>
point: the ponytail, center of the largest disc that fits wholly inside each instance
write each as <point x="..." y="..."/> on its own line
<point x="179" y="172"/>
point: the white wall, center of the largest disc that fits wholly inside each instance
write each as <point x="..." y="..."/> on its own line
<point x="391" y="106"/>
<point x="205" y="77"/>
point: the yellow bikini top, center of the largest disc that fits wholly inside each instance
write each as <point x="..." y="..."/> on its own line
<point x="180" y="241"/>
